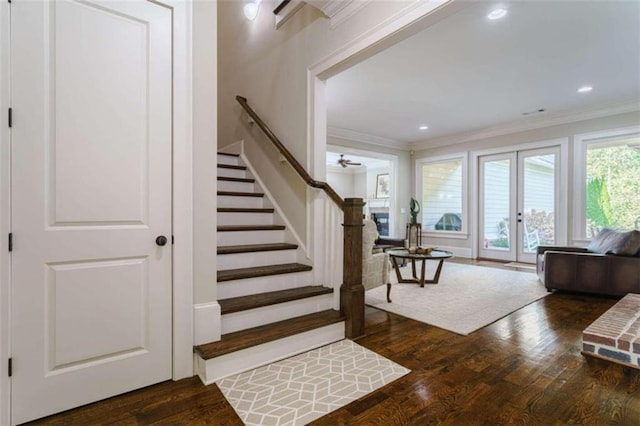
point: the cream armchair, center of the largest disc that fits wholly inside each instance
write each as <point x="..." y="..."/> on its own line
<point x="375" y="267"/>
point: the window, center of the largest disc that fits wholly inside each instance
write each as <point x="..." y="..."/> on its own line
<point x="608" y="182"/>
<point x="442" y="194"/>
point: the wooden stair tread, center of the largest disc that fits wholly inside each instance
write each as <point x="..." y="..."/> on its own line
<point x="241" y="194"/>
<point x="244" y="210"/>
<point x="252" y="301"/>
<point x="238" y="228"/>
<point x="229" y="166"/>
<point x="228" y="155"/>
<point x="261" y="271"/>
<point x="235" y="179"/>
<point x="250" y="248"/>
<point x="267" y="333"/>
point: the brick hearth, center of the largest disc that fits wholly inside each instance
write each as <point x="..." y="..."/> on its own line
<point x="616" y="334"/>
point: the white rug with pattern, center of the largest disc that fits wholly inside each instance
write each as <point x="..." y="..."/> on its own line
<point x="466" y="298"/>
<point x="298" y="390"/>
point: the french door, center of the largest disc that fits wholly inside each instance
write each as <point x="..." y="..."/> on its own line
<point x="91" y="201"/>
<point x="518" y="199"/>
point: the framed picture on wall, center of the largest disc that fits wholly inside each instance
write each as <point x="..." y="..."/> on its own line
<point x="382" y="186"/>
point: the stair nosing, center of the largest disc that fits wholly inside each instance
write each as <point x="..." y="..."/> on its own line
<point x="253" y="248"/>
<point x="235" y="179"/>
<point x="330" y="317"/>
<point x="240" y="194"/>
<point x="232" y="167"/>
<point x="271" y="298"/>
<point x="242" y="228"/>
<point x="229" y="155"/>
<point x="245" y="210"/>
<point x="261" y="271"/>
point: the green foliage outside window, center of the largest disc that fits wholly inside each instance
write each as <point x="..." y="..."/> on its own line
<point x="613" y="187"/>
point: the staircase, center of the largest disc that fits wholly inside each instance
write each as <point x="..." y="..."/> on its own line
<point x="271" y="308"/>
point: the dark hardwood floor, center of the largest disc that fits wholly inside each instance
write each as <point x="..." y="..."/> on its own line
<point x="524" y="369"/>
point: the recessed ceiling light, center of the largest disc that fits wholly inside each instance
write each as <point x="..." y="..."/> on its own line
<point x="585" y="89"/>
<point x="497" y="14"/>
<point x="424" y="127"/>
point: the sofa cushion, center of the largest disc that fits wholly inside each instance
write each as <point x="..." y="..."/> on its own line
<point x="609" y="241"/>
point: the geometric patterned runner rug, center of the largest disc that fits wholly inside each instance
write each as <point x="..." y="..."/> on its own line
<point x="298" y="390"/>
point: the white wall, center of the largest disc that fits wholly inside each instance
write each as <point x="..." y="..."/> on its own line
<point x="547" y="133"/>
<point x="343" y="182"/>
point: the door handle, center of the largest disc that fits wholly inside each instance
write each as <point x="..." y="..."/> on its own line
<point x="161" y="240"/>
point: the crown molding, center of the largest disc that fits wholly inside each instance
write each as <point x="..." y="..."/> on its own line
<point x="524" y="125"/>
<point x="338" y="11"/>
<point x="352" y="135"/>
<point x="289" y="10"/>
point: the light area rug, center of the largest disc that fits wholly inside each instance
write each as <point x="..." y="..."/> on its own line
<point x="466" y="298"/>
<point x="521" y="265"/>
<point x="298" y="390"/>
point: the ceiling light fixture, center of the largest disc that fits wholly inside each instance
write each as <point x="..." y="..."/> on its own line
<point x="424" y="127"/>
<point x="585" y="89"/>
<point x="251" y="8"/>
<point x="497" y="14"/>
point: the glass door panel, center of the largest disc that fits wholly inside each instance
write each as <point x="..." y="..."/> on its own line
<point x="537" y="200"/>
<point x="497" y="204"/>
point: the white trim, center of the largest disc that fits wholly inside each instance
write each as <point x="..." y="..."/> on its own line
<point x="352" y="135"/>
<point x="5" y="216"/>
<point x="524" y="125"/>
<point x="464" y="158"/>
<point x="182" y="190"/>
<point x="580" y="143"/>
<point x="339" y="11"/>
<point x="562" y="206"/>
<point x="289" y="10"/>
<point x="207" y="324"/>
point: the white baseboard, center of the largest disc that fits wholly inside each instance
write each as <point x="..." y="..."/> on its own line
<point x="207" y="323"/>
<point x="457" y="251"/>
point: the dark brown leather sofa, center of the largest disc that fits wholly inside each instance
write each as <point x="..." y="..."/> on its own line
<point x="583" y="270"/>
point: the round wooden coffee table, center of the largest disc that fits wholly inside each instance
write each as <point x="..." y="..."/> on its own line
<point x="440" y="255"/>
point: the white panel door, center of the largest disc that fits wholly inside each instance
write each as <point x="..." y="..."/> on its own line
<point x="91" y="185"/>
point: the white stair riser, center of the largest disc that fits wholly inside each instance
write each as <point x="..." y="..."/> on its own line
<point x="249" y="237"/>
<point x="244" y="202"/>
<point x="268" y="314"/>
<point x="260" y="258"/>
<point x="241" y="218"/>
<point x="227" y="365"/>
<point x="227" y="185"/>
<point x="227" y="159"/>
<point x="235" y="173"/>
<point x="257" y="285"/>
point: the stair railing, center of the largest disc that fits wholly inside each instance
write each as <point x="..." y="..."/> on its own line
<point x="351" y="290"/>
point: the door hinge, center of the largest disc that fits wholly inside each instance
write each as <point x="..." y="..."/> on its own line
<point x="10" y="118"/>
<point x="172" y="239"/>
<point x="10" y="241"/>
<point x="10" y="367"/>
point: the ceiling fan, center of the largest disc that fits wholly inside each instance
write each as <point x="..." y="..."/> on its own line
<point x="345" y="162"/>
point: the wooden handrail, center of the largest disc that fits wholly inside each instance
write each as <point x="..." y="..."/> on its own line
<point x="331" y="193"/>
<point x="281" y="6"/>
<point x="351" y="290"/>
